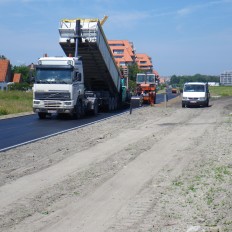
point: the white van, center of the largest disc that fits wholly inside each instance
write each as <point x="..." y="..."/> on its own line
<point x="195" y="93"/>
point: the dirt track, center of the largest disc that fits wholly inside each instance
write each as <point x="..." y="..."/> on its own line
<point x="158" y="169"/>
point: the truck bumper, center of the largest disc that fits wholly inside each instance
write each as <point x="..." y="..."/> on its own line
<point x="53" y="111"/>
<point x="51" y="107"/>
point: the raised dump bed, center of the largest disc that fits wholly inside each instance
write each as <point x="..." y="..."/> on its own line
<point x="100" y="70"/>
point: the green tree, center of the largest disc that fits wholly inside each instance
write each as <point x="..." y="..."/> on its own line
<point x="133" y="70"/>
<point x="132" y="85"/>
<point x="24" y="70"/>
<point x="180" y="80"/>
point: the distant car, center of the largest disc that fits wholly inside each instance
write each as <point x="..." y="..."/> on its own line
<point x="174" y="90"/>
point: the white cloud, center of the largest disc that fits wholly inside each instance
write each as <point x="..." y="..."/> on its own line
<point x="128" y="19"/>
<point x="184" y="11"/>
<point x="190" y="9"/>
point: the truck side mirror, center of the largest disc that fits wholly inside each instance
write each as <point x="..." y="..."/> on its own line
<point x="77" y="76"/>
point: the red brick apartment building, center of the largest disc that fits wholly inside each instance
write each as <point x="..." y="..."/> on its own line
<point x="144" y="62"/>
<point x="124" y="54"/>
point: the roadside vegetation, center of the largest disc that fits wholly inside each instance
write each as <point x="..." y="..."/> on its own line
<point x="12" y="102"/>
<point x="223" y="91"/>
<point x="17" y="97"/>
<point x="179" y="81"/>
<point x="15" y="101"/>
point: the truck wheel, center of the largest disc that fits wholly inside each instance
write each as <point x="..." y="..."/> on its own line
<point x="77" y="113"/>
<point x="110" y="107"/>
<point x="183" y="105"/>
<point x="42" y="115"/>
<point x="113" y="103"/>
<point x="95" y="110"/>
<point x="116" y="103"/>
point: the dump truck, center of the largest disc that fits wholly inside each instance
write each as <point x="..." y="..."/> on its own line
<point x="85" y="80"/>
<point x="146" y="87"/>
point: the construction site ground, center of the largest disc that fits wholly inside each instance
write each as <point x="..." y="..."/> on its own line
<point x="163" y="168"/>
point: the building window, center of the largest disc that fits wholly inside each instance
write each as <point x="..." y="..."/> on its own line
<point x="119" y="51"/>
<point x="122" y="63"/>
<point x="143" y="62"/>
<point x="114" y="45"/>
<point x="118" y="57"/>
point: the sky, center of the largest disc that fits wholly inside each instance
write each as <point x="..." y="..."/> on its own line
<point x="183" y="37"/>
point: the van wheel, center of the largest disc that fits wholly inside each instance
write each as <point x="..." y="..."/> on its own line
<point x="183" y="105"/>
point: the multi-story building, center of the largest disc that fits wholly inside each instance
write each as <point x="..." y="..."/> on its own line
<point x="124" y="54"/>
<point x="226" y="78"/>
<point x="144" y="62"/>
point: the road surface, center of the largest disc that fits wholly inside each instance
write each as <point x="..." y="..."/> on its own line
<point x="17" y="131"/>
<point x="158" y="169"/>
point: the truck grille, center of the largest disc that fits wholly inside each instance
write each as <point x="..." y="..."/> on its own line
<point x="62" y="96"/>
<point x="52" y="104"/>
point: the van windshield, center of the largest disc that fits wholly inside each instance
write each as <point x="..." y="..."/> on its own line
<point x="194" y="88"/>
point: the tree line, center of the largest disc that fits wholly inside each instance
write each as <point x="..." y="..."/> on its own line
<point x="132" y="71"/>
<point x="180" y="80"/>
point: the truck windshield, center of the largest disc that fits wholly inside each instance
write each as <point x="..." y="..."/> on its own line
<point x="143" y="78"/>
<point x="54" y="75"/>
<point x="194" y="88"/>
<point x="140" y="78"/>
<point x="151" y="78"/>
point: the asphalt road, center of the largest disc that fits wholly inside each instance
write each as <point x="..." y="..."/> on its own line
<point x="22" y="130"/>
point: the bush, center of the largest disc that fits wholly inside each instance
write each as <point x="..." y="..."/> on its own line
<point x="19" y="86"/>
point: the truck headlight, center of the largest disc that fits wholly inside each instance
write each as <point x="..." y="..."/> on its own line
<point x="201" y="98"/>
<point x="36" y="102"/>
<point x="184" y="98"/>
<point x="68" y="103"/>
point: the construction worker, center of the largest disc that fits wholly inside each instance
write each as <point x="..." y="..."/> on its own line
<point x="151" y="98"/>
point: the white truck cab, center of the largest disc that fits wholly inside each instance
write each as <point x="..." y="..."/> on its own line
<point x="195" y="93"/>
<point x="59" y="87"/>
